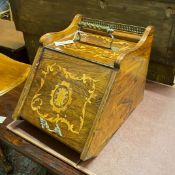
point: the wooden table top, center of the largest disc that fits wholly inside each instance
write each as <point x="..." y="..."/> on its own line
<point x="10" y="38"/>
<point x="143" y="145"/>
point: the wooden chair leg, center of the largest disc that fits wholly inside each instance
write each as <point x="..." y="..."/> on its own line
<point x="3" y="162"/>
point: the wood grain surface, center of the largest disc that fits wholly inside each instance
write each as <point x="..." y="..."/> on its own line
<point x="32" y="17"/>
<point x="74" y="89"/>
<point x="125" y="94"/>
<point x="138" y="147"/>
<point x="34" y="20"/>
<point x="79" y="114"/>
<point x="12" y="73"/>
<point x="8" y="103"/>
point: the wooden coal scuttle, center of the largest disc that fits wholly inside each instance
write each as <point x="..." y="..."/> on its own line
<point x="85" y="81"/>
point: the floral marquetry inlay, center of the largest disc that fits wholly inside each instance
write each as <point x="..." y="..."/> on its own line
<point x="61" y="98"/>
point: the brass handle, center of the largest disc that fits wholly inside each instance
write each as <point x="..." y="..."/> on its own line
<point x="105" y="26"/>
